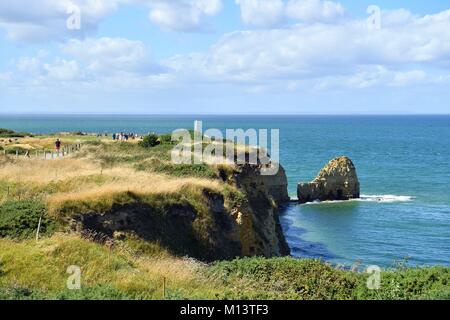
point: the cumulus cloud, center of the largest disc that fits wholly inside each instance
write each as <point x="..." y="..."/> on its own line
<point x="101" y="63"/>
<point x="407" y="50"/>
<point x="267" y="13"/>
<point x="261" y="13"/>
<point x="107" y="54"/>
<point x="32" y="20"/>
<point x="42" y="20"/>
<point x="62" y="70"/>
<point x="398" y="54"/>
<point x="181" y="15"/>
<point x="370" y="76"/>
<point x="314" y="10"/>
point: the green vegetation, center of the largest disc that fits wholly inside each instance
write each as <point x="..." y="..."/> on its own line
<point x="30" y="271"/>
<point x="287" y="278"/>
<point x="108" y="175"/>
<point x="6" y="133"/>
<point x="166" y="138"/>
<point x="150" y="141"/>
<point x="234" y="197"/>
<point x="178" y="170"/>
<point x="19" y="219"/>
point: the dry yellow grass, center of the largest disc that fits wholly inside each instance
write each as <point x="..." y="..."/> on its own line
<point x="72" y="180"/>
<point x="40" y="143"/>
<point x="138" y="184"/>
<point x="45" y="171"/>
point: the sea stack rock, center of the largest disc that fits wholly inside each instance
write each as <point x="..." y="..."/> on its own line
<point x="336" y="181"/>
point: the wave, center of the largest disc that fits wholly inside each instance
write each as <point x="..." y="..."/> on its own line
<point x="385" y="198"/>
<point x="388" y="198"/>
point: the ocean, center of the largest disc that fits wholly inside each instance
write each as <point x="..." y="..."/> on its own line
<point x="402" y="164"/>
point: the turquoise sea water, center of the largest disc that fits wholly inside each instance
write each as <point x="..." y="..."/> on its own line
<point x="402" y="162"/>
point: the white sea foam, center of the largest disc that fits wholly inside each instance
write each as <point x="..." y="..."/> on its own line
<point x="385" y="198"/>
<point x="388" y="198"/>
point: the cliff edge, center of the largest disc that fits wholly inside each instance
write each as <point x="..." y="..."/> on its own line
<point x="242" y="220"/>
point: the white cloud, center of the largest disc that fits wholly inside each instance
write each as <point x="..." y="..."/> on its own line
<point x="104" y="64"/>
<point x="261" y="13"/>
<point x="5" y="77"/>
<point x="408" y="50"/>
<point x="108" y="54"/>
<point x="267" y="13"/>
<point x="370" y="76"/>
<point x="181" y="15"/>
<point x="39" y="20"/>
<point x="62" y="70"/>
<point x="314" y="10"/>
<point x="42" y="20"/>
<point x="399" y="54"/>
<point x="408" y="77"/>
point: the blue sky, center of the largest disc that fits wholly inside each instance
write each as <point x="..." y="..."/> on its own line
<point x="225" y="56"/>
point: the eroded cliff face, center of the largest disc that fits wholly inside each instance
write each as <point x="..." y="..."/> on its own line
<point x="261" y="233"/>
<point x="336" y="181"/>
<point x="225" y="230"/>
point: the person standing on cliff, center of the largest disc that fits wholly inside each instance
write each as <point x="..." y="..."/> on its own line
<point x="58" y="145"/>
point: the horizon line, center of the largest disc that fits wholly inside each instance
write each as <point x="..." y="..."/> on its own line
<point x="215" y="114"/>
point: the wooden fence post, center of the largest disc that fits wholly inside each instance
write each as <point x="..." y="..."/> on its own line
<point x="38" y="228"/>
<point x="164" y="288"/>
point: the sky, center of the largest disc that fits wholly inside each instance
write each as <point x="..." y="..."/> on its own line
<point x="225" y="56"/>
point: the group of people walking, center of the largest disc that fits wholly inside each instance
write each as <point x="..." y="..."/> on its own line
<point x="124" y="136"/>
<point x="121" y="136"/>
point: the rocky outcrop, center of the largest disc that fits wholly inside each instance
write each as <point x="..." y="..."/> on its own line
<point x="261" y="233"/>
<point x="336" y="181"/>
<point x="178" y="227"/>
<point x="277" y="186"/>
<point x="223" y="230"/>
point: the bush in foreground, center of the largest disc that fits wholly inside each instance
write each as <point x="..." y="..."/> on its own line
<point x="150" y="141"/>
<point x="19" y="219"/>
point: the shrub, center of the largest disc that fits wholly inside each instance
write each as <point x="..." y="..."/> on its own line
<point x="166" y="138"/>
<point x="6" y="133"/>
<point x="285" y="278"/>
<point x="234" y="198"/>
<point x="19" y="219"/>
<point x="150" y="141"/>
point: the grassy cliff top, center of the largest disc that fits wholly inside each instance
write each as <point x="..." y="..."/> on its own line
<point x="103" y="170"/>
<point x="104" y="173"/>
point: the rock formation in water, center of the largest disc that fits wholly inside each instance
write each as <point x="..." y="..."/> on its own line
<point x="336" y="181"/>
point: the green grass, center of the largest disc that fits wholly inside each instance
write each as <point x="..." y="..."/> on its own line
<point x="234" y="197"/>
<point x="152" y="159"/>
<point x="288" y="278"/>
<point x="7" y="133"/>
<point x="135" y="266"/>
<point x="100" y="292"/>
<point x="40" y="274"/>
<point x="178" y="170"/>
<point x="19" y="219"/>
<point x="122" y="153"/>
